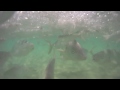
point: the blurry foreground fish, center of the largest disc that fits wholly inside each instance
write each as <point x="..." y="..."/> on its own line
<point x="22" y="48"/>
<point x="49" y="73"/>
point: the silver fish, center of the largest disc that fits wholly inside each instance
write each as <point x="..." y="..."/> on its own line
<point x="5" y="15"/>
<point x="22" y="48"/>
<point x="2" y="40"/>
<point x="114" y="37"/>
<point x="49" y="74"/>
<point x="63" y="39"/>
<point x="74" y="51"/>
<point x="4" y="57"/>
<point x="20" y="72"/>
<point x="107" y="55"/>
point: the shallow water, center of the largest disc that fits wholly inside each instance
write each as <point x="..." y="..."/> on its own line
<point x="38" y="59"/>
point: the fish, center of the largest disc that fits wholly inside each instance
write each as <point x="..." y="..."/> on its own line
<point x="49" y="71"/>
<point x="117" y="56"/>
<point x="4" y="57"/>
<point x="63" y="39"/>
<point x="73" y="51"/>
<point x="69" y="37"/>
<point x="2" y="40"/>
<point x="20" y="72"/>
<point x="23" y="72"/>
<point x="5" y="15"/>
<point x="114" y="37"/>
<point x="100" y="55"/>
<point x="8" y="30"/>
<point x="22" y="48"/>
<point x="105" y="55"/>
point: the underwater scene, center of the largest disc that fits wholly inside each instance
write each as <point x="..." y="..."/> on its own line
<point x="59" y="45"/>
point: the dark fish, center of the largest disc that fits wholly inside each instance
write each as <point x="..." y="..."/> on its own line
<point x="74" y="51"/>
<point x="5" y="15"/>
<point x="12" y="72"/>
<point x="69" y="37"/>
<point x="22" y="41"/>
<point x="62" y="38"/>
<point x="104" y="55"/>
<point x="9" y="30"/>
<point x="65" y="36"/>
<point x="19" y="72"/>
<point x="4" y="56"/>
<point x="100" y="55"/>
<point x="117" y="56"/>
<point x="118" y="77"/>
<point x="114" y="37"/>
<point x="22" y="48"/>
<point x="73" y="35"/>
<point x="49" y="74"/>
<point x="2" y="40"/>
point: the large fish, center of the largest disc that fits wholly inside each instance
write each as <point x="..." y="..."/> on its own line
<point x="63" y="39"/>
<point x="20" y="72"/>
<point x="5" y="15"/>
<point x="8" y="30"/>
<point x="4" y="57"/>
<point x="49" y="72"/>
<point x="105" y="55"/>
<point x="22" y="48"/>
<point x="2" y="40"/>
<point x="73" y="51"/>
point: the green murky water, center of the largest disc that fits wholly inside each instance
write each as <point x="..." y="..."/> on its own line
<point x="38" y="59"/>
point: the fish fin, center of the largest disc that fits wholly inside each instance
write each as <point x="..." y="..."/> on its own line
<point x="51" y="45"/>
